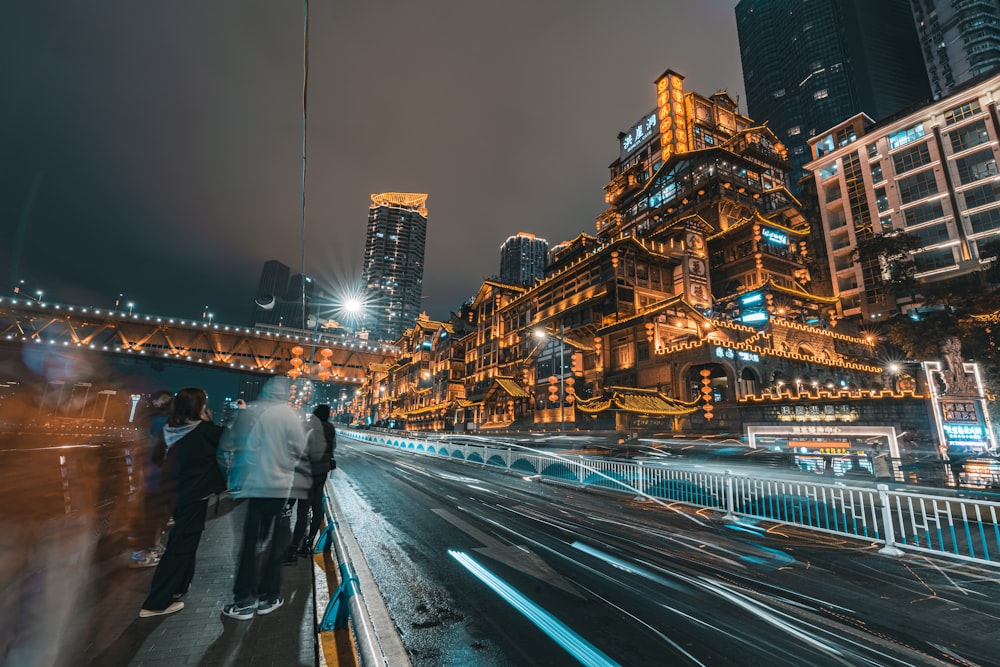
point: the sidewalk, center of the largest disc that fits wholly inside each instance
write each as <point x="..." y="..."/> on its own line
<point x="199" y="634"/>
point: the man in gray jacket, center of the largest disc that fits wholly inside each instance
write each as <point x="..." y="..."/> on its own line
<point x="259" y="453"/>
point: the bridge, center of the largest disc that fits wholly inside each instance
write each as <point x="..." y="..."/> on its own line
<point x="264" y="350"/>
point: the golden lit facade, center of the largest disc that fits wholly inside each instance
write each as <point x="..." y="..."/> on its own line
<point x="422" y="388"/>
<point x="691" y="297"/>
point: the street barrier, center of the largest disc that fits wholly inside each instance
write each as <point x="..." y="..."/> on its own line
<point x="347" y="604"/>
<point x="901" y="521"/>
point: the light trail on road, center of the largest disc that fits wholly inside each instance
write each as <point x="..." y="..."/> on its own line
<point x="639" y="582"/>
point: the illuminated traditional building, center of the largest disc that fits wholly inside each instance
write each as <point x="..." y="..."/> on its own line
<point x="710" y="181"/>
<point x="423" y="386"/>
<point x="394" y="262"/>
<point x="523" y="259"/>
<point x="691" y="297"/>
<point x="932" y="174"/>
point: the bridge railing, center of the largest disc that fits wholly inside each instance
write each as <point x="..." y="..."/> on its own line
<point x="938" y="524"/>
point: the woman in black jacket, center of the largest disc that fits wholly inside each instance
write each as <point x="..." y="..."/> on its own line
<point x="191" y="474"/>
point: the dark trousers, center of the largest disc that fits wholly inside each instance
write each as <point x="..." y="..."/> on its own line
<point x="315" y="503"/>
<point x="263" y="523"/>
<point x="176" y="568"/>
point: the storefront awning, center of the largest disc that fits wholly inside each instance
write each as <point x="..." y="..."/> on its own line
<point x="512" y="388"/>
<point x="430" y="408"/>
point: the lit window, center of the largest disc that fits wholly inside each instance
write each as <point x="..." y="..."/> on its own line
<point x="821" y="94"/>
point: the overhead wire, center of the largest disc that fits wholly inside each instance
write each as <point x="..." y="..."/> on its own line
<point x="305" y="108"/>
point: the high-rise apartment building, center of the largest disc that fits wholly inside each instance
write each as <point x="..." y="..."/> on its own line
<point x="809" y="65"/>
<point x="522" y="259"/>
<point x="394" y="262"/>
<point x="931" y="174"/>
<point x="960" y="40"/>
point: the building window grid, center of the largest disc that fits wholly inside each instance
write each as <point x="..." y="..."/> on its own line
<point x="904" y="137"/>
<point x="911" y="158"/>
<point x="985" y="221"/>
<point x="932" y="234"/>
<point x="857" y="197"/>
<point x="977" y="166"/>
<point x="981" y="195"/>
<point x="922" y="213"/>
<point x="917" y="186"/>
<point x="962" y="112"/>
<point x="968" y="136"/>
<point x="931" y="260"/>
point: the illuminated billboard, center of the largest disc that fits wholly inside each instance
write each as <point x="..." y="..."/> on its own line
<point x="960" y="417"/>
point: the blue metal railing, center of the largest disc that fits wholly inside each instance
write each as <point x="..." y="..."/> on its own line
<point x="347" y="604"/>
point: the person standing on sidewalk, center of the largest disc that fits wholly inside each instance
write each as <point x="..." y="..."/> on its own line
<point x="322" y="439"/>
<point x="152" y="524"/>
<point x="190" y="475"/>
<point x="259" y="453"/>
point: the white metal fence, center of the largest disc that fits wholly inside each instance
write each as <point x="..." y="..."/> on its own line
<point x="942" y="525"/>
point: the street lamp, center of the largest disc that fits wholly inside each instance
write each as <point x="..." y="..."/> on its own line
<point x="131" y="305"/>
<point x="542" y="334"/>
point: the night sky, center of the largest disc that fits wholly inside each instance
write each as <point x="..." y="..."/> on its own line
<point x="154" y="149"/>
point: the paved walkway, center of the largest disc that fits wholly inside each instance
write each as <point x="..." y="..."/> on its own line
<point x="199" y="634"/>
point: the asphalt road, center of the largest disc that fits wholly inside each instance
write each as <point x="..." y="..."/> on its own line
<point x="481" y="568"/>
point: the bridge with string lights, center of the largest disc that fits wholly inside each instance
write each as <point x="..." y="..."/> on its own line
<point x="318" y="355"/>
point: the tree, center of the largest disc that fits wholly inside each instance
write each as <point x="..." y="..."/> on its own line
<point x="894" y="252"/>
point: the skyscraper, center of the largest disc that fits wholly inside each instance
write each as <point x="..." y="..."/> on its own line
<point x="279" y="298"/>
<point x="959" y="40"/>
<point x="522" y="259"/>
<point x="394" y="262"/>
<point x="809" y="65"/>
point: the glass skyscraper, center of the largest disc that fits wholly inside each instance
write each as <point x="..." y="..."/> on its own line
<point x="810" y="65"/>
<point x="960" y="40"/>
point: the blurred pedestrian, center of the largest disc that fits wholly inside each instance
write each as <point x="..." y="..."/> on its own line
<point x="322" y="444"/>
<point x="957" y="456"/>
<point x="155" y="512"/>
<point x="191" y="475"/>
<point x="51" y="488"/>
<point x="259" y="453"/>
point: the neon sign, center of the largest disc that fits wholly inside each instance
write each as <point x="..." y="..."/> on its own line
<point x="774" y="236"/>
<point x="638" y="133"/>
<point x="964" y="432"/>
<point x="742" y="355"/>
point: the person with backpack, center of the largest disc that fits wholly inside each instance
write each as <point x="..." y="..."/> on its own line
<point x="322" y="444"/>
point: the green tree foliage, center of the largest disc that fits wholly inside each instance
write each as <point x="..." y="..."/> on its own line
<point x="894" y="251"/>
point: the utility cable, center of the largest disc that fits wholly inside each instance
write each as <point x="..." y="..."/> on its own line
<point x="305" y="107"/>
